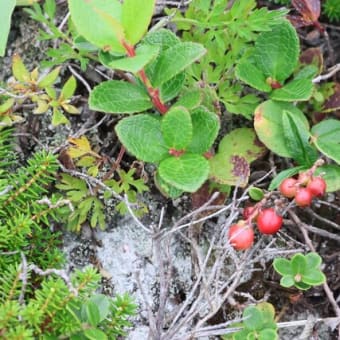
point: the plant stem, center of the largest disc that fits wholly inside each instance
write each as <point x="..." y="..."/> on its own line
<point x="153" y="92"/>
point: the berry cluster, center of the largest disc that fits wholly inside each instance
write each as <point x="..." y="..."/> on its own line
<point x="241" y="235"/>
<point x="268" y="221"/>
<point x="303" y="189"/>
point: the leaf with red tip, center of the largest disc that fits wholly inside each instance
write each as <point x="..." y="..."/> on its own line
<point x="309" y="9"/>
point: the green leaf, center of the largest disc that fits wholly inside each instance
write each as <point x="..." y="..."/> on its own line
<point x="314" y="260"/>
<point x="302" y="285"/>
<point x="296" y="136"/>
<point x="235" y="152"/>
<point x="142" y="136"/>
<point x="174" y="60"/>
<point x="115" y="96"/>
<point x="136" y="17"/>
<point x="269" y="127"/>
<point x="276" y="52"/>
<point x="206" y="125"/>
<point x="19" y="70"/>
<point x="99" y="22"/>
<point x="144" y="54"/>
<point x="69" y="88"/>
<point x="283" y="175"/>
<point x="252" y="76"/>
<point x="326" y="137"/>
<point x="103" y="304"/>
<point x="268" y="314"/>
<point x="92" y="314"/>
<point x="95" y="334"/>
<point x="256" y="194"/>
<point x="299" y="264"/>
<point x="177" y="128"/>
<point x="165" y="188"/>
<point x="172" y="87"/>
<point x="314" y="277"/>
<point x="283" y="266"/>
<point x="49" y="79"/>
<point x="190" y="99"/>
<point x="296" y="90"/>
<point x="252" y="318"/>
<point x="331" y="174"/>
<point x="6" y="10"/>
<point x="58" y="118"/>
<point x="187" y="172"/>
<point x="287" y="281"/>
<point x="268" y="334"/>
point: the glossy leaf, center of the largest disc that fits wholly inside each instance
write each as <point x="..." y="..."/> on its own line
<point x="296" y="90"/>
<point x="115" y="96"/>
<point x="144" y="54"/>
<point x="136" y="17"/>
<point x="331" y="174"/>
<point x="6" y="10"/>
<point x="269" y="127"/>
<point x="314" y="277"/>
<point x="296" y="136"/>
<point x="299" y="264"/>
<point x="175" y="59"/>
<point x="206" y="125"/>
<point x="326" y="137"/>
<point x="177" y="128"/>
<point x="276" y="52"/>
<point x="285" y="174"/>
<point x="99" y="22"/>
<point x="187" y="172"/>
<point x="141" y="135"/>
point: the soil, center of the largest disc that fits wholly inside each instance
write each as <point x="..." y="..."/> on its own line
<point x="127" y="255"/>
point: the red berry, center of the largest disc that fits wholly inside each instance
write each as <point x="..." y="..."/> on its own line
<point x="317" y="186"/>
<point x="268" y="221"/>
<point x="303" y="197"/>
<point x="288" y="187"/>
<point x="241" y="236"/>
<point x="248" y="211"/>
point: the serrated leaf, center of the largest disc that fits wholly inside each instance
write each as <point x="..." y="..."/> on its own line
<point x="299" y="264"/>
<point x="176" y="127"/>
<point x="99" y="22"/>
<point x="283" y="266"/>
<point x="165" y="188"/>
<point x="205" y="125"/>
<point x="252" y="76"/>
<point x="6" y="10"/>
<point x="187" y="172"/>
<point x="252" y="318"/>
<point x="296" y="136"/>
<point x="296" y="90"/>
<point x="49" y="79"/>
<point x="314" y="260"/>
<point x="136" y="17"/>
<point x="269" y="128"/>
<point x="141" y="135"/>
<point x="144" y="54"/>
<point x="235" y="152"/>
<point x="331" y="174"/>
<point x="115" y="96"/>
<point x="276" y="52"/>
<point x="19" y="70"/>
<point x="174" y="60"/>
<point x="287" y="281"/>
<point x="326" y="137"/>
<point x="172" y="87"/>
<point x="68" y="89"/>
<point x="314" y="277"/>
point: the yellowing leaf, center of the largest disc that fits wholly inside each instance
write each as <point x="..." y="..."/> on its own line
<point x="41" y="108"/>
<point x="19" y="70"/>
<point x="58" y="118"/>
<point x="70" y="109"/>
<point x="81" y="148"/>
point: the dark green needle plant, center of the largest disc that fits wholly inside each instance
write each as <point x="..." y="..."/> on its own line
<point x="38" y="300"/>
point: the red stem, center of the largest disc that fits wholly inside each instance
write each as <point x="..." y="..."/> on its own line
<point x="153" y="93"/>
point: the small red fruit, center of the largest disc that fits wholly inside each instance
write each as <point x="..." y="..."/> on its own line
<point x="288" y="187"/>
<point x="303" y="197"/>
<point x="241" y="236"/>
<point x="268" y="221"/>
<point x="248" y="211"/>
<point x="317" y="186"/>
